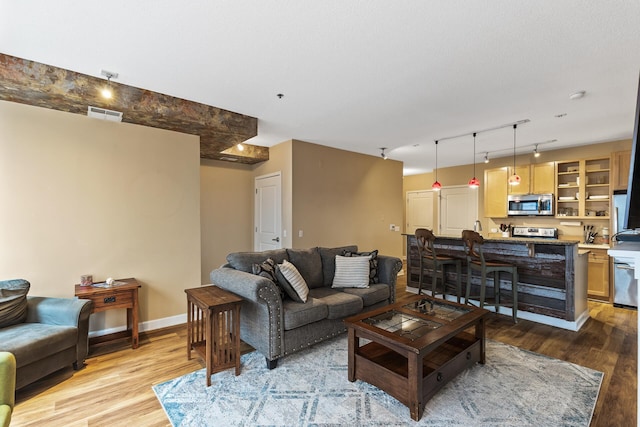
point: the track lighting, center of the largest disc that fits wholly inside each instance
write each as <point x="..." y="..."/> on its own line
<point x="536" y="153"/>
<point x="106" y="91"/>
<point x="384" y="156"/>
<point x="486" y="157"/>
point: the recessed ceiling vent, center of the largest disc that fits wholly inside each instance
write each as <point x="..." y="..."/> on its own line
<point x="104" y="114"/>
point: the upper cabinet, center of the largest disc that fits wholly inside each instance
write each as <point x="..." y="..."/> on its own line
<point x="620" y="170"/>
<point x="495" y="192"/>
<point x="583" y="188"/>
<point x="538" y="178"/>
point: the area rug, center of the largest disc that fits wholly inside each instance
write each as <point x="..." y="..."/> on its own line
<point x="514" y="388"/>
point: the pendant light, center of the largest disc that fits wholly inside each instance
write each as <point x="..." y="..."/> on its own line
<point x="473" y="182"/>
<point x="436" y="186"/>
<point x="515" y="178"/>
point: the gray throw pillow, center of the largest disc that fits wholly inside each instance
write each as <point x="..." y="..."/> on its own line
<point x="13" y="301"/>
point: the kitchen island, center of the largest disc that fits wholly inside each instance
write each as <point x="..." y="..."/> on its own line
<point x="552" y="276"/>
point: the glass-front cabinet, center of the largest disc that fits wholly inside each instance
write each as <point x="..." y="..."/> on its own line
<point x="583" y="188"/>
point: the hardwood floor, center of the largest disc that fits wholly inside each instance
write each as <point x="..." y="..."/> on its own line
<point x="114" y="388"/>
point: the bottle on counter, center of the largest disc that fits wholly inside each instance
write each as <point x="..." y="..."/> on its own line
<point x="605" y="235"/>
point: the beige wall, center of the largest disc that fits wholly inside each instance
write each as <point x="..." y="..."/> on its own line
<point x="460" y="175"/>
<point x="341" y="197"/>
<point x="85" y="196"/>
<point x="226" y="212"/>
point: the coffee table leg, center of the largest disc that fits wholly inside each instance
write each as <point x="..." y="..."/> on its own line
<point x="353" y="343"/>
<point x="416" y="406"/>
<point x="480" y="335"/>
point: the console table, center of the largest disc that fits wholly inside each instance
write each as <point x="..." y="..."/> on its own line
<point x="123" y="295"/>
<point x="213" y="328"/>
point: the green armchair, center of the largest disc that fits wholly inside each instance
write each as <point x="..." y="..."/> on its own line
<point x="7" y="387"/>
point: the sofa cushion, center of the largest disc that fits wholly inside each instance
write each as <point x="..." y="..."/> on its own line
<point x="328" y="256"/>
<point x="30" y="342"/>
<point x="292" y="281"/>
<point x="309" y="264"/>
<point x="371" y="295"/>
<point x="244" y="261"/>
<point x="13" y="301"/>
<point x="298" y="314"/>
<point x="339" y="304"/>
<point x="351" y="272"/>
<point x="373" y="263"/>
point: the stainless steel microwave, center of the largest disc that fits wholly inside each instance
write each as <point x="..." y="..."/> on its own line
<point x="530" y="204"/>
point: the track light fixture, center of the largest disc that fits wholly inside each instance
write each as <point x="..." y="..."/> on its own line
<point x="106" y="91"/>
<point x="384" y="156"/>
<point x="536" y="153"/>
<point x="486" y="157"/>
<point x="436" y="186"/>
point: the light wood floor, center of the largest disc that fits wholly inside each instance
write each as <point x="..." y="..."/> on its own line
<point x="114" y="389"/>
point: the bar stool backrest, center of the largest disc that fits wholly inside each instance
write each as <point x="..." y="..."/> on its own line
<point x="473" y="242"/>
<point x="425" y="239"/>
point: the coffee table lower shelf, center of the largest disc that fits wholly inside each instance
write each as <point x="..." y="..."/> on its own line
<point x="389" y="371"/>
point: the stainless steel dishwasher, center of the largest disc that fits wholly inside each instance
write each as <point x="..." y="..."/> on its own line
<point x="625" y="285"/>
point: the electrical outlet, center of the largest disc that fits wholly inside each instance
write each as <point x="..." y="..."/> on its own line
<point x="397" y="228"/>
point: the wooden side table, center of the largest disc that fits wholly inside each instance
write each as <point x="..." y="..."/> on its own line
<point x="213" y="328"/>
<point x="118" y="296"/>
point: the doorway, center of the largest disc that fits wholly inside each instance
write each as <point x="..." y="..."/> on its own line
<point x="268" y="212"/>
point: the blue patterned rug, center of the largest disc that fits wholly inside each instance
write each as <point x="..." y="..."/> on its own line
<point x="310" y="388"/>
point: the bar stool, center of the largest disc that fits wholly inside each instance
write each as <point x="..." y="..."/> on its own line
<point x="437" y="263"/>
<point x="477" y="262"/>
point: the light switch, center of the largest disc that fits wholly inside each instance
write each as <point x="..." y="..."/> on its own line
<point x="299" y="233"/>
<point x="392" y="227"/>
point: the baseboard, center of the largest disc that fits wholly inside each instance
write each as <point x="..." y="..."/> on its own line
<point x="149" y="325"/>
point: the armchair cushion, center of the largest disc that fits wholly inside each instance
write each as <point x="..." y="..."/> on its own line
<point x="13" y="301"/>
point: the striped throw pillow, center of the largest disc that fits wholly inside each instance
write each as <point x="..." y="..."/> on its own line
<point x="351" y="272"/>
<point x="290" y="278"/>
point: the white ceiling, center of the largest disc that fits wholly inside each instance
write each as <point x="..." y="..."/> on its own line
<point x="360" y="75"/>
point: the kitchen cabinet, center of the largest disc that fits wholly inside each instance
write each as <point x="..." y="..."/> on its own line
<point x="583" y="188"/>
<point x="620" y="170"/>
<point x="598" y="284"/>
<point x="495" y="192"/>
<point x="537" y="178"/>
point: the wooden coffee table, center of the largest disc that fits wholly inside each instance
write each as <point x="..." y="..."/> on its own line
<point x="416" y="346"/>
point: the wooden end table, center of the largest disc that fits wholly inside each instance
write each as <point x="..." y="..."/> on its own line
<point x="123" y="295"/>
<point x="416" y="346"/>
<point x="213" y="328"/>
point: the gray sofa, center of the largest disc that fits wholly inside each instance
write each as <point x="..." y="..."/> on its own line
<point x="277" y="326"/>
<point x="52" y="335"/>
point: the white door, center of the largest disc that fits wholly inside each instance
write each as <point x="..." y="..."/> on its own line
<point x="268" y="212"/>
<point x="458" y="210"/>
<point x="419" y="210"/>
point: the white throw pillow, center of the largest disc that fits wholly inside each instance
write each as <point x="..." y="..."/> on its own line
<point x="351" y="272"/>
<point x="294" y="279"/>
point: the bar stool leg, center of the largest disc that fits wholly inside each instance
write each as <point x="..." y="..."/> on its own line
<point x="468" y="292"/>
<point x="514" y="287"/>
<point x="458" y="280"/>
<point x="483" y="288"/>
<point x="434" y="280"/>
<point x="420" y="278"/>
<point x="496" y="289"/>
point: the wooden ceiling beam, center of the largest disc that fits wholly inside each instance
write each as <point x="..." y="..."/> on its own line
<point x="41" y="85"/>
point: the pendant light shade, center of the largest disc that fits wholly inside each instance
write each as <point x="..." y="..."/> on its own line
<point x="473" y="182"/>
<point x="436" y="186"/>
<point x="515" y="178"/>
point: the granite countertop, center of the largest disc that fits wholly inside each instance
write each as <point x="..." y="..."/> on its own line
<point x="537" y="241"/>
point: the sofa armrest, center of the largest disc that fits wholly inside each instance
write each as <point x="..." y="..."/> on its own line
<point x="388" y="268"/>
<point x="262" y="315"/>
<point x="7" y="386"/>
<point x="63" y="312"/>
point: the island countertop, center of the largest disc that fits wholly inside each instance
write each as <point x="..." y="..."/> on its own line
<point x="552" y="275"/>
